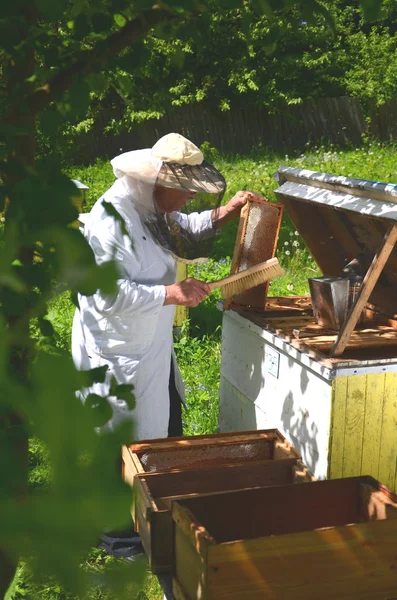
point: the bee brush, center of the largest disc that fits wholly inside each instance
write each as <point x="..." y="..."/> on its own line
<point x="248" y="278"/>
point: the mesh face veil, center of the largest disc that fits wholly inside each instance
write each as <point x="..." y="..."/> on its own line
<point x="143" y="172"/>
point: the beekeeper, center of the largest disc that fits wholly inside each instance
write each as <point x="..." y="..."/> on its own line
<point x="131" y="331"/>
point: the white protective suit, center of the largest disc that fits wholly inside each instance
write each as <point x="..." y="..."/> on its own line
<point x="131" y="332"/>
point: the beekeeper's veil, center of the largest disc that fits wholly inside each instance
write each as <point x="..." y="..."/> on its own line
<point x="173" y="162"/>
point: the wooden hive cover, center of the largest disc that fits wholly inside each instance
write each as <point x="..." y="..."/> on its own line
<point x="340" y="218"/>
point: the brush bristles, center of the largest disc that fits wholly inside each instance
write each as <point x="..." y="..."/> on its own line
<point x="251" y="280"/>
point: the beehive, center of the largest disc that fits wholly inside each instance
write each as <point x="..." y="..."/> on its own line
<point x="338" y="410"/>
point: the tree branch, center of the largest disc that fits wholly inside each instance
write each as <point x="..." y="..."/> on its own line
<point x="114" y="44"/>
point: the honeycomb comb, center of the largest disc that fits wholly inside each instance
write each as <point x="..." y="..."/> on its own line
<point x="256" y="242"/>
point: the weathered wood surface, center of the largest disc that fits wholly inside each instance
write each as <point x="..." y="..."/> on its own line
<point x="364" y="430"/>
<point x="156" y="492"/>
<point x="330" y="540"/>
<point x="370" y="280"/>
<point x="200" y="451"/>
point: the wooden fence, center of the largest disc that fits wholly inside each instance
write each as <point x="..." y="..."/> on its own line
<point x="322" y="120"/>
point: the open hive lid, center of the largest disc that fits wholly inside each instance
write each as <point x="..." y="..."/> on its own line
<point x="340" y="218"/>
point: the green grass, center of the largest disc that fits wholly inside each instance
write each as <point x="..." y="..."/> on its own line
<point x="199" y="345"/>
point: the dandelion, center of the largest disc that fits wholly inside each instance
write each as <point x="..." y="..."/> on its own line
<point x="291" y="233"/>
<point x="296" y="232"/>
<point x="286" y="243"/>
<point x="295" y="244"/>
<point x="290" y="287"/>
<point x="287" y="252"/>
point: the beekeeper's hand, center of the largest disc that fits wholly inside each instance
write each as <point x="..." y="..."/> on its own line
<point x="232" y="209"/>
<point x="188" y="292"/>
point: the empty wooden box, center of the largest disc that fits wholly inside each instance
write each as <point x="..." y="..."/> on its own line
<point x="155" y="493"/>
<point x="332" y="539"/>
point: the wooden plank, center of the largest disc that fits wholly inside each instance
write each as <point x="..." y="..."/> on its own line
<point x="357" y="562"/>
<point x="130" y="466"/>
<point x="231" y="437"/>
<point x="190" y="568"/>
<point x="178" y="591"/>
<point x="181" y="312"/>
<point x="354" y="425"/>
<point x="317" y="235"/>
<point x="388" y="446"/>
<point x="368" y="285"/>
<point x="338" y="423"/>
<point x="238" y="247"/>
<point x="338" y="223"/>
<point x="156" y="492"/>
<point x="373" y="424"/>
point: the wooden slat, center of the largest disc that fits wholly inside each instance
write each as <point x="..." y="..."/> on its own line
<point x="178" y="592"/>
<point x="388" y="447"/>
<point x="317" y="235"/>
<point x="238" y="247"/>
<point x="354" y="426"/>
<point x="338" y="423"/>
<point x="368" y="285"/>
<point x="373" y="424"/>
<point x="357" y="562"/>
<point x="231" y="437"/>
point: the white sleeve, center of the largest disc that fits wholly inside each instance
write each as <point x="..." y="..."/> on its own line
<point x="199" y="224"/>
<point x="109" y="243"/>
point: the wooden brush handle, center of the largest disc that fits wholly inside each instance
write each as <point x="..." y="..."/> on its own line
<point x="232" y="278"/>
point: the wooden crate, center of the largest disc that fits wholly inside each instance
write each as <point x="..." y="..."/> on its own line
<point x="155" y="493"/>
<point x="199" y="451"/>
<point x="332" y="539"/>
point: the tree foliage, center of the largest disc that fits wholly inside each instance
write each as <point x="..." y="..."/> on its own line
<point x="59" y="60"/>
<point x="269" y="54"/>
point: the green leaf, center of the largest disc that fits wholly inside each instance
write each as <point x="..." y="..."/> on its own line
<point x="50" y="9"/>
<point x="46" y="327"/>
<point x="124" y="391"/>
<point x="97" y="82"/>
<point x="78" y="8"/>
<point x="126" y="83"/>
<point x="97" y="375"/>
<point x="177" y="58"/>
<point x="270" y="48"/>
<point x="322" y="10"/>
<point x="50" y="121"/>
<point x="372" y="9"/>
<point x="263" y="7"/>
<point x="82" y="26"/>
<point x="79" y="97"/>
<point x="113" y="212"/>
<point x="100" y="410"/>
<point x="119" y="19"/>
<point x="101" y="22"/>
